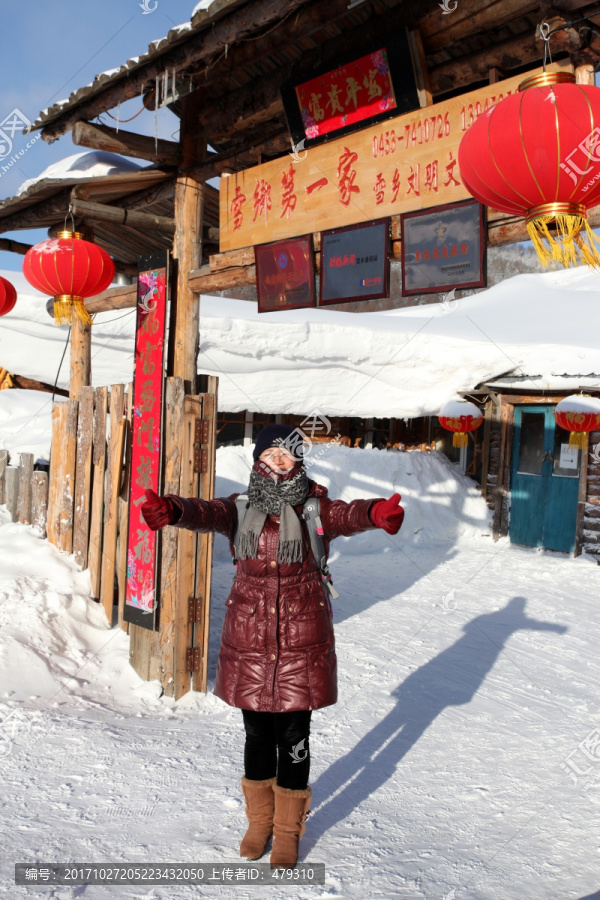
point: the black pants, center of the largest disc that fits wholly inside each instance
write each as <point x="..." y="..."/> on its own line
<point x="277" y="745"/>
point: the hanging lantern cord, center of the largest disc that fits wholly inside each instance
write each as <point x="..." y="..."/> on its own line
<point x="70" y="213"/>
<point x="545" y="35"/>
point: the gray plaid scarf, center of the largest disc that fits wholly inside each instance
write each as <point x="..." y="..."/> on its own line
<point x="269" y="496"/>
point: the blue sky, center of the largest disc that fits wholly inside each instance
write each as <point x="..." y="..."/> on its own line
<point x="52" y="48"/>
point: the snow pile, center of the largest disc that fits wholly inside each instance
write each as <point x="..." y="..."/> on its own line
<point x="87" y="164"/>
<point x="441" y="504"/>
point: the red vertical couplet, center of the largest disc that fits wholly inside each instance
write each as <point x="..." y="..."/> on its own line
<point x="140" y="596"/>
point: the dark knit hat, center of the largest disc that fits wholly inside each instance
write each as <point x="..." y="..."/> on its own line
<point x="276" y="436"/>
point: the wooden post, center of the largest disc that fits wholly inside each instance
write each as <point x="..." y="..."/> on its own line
<point x="81" y="357"/>
<point x="113" y="478"/>
<point x="248" y="428"/>
<point x="205" y="541"/>
<point x="97" y="504"/>
<point x="582" y="499"/>
<point x="83" y="476"/>
<point x="12" y="491"/>
<point x="3" y="465"/>
<point x="25" y="476"/>
<point x="487" y="430"/>
<point x="187" y="247"/>
<point x="39" y="501"/>
<point x="584" y="74"/>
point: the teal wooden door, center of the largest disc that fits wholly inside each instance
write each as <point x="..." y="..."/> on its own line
<point x="545" y="482"/>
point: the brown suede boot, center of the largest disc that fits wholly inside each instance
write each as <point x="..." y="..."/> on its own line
<point x="289" y="824"/>
<point x="260" y="805"/>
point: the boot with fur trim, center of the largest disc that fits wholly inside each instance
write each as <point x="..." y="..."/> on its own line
<point x="289" y="824"/>
<point x="260" y="806"/>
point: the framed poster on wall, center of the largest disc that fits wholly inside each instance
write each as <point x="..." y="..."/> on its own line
<point x="355" y="263"/>
<point x="285" y="274"/>
<point x="443" y="248"/>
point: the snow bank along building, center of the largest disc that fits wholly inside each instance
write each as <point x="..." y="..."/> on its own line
<point x="334" y="129"/>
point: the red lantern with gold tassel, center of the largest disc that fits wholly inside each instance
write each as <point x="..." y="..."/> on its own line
<point x="69" y="269"/>
<point x="461" y="417"/>
<point x="8" y="296"/>
<point x="578" y="414"/>
<point x="537" y="154"/>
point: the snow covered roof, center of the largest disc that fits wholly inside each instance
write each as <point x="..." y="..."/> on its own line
<point x="83" y="166"/>
<point x="402" y="363"/>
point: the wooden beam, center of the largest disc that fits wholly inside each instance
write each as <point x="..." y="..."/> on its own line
<point x="123" y="297"/>
<point x="14" y="246"/>
<point x="203" y="47"/>
<point x="140" y="146"/>
<point x="470" y="17"/>
<point x="187" y="245"/>
<point x="102" y="212"/>
<point x="465" y="70"/>
<point x="203" y="281"/>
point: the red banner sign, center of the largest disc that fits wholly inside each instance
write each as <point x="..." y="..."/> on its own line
<point x="140" y="597"/>
<point x="359" y="90"/>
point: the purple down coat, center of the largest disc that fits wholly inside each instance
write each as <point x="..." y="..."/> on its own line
<point x="277" y="647"/>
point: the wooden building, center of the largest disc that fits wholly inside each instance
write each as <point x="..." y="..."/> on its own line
<point x="222" y="74"/>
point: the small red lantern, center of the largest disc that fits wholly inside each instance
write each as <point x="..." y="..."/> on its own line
<point x="537" y="154"/>
<point x="69" y="269"/>
<point x="461" y="417"/>
<point x="8" y="296"/>
<point x="578" y="414"/>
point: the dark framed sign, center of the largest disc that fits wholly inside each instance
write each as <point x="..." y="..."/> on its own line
<point x="285" y="274"/>
<point x="337" y="100"/>
<point x="355" y="262"/>
<point x="141" y="601"/>
<point x="443" y="248"/>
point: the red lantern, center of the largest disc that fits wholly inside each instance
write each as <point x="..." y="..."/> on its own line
<point x="578" y="414"/>
<point x="70" y="269"/>
<point x="537" y="154"/>
<point x="461" y="417"/>
<point x="8" y="296"/>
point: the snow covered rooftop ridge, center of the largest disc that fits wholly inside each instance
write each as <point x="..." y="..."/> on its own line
<point x="203" y="14"/>
<point x="87" y="164"/>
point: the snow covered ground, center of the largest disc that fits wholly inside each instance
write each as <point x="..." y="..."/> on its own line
<point x="462" y="759"/>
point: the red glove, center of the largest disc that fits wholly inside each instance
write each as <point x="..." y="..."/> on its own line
<point x="157" y="511"/>
<point x="388" y="514"/>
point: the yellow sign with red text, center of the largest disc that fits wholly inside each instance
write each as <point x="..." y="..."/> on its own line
<point x="405" y="163"/>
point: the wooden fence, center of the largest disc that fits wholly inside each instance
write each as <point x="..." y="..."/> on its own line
<point x="24" y="490"/>
<point x="90" y="471"/>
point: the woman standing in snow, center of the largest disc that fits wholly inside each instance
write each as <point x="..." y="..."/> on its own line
<point x="277" y="659"/>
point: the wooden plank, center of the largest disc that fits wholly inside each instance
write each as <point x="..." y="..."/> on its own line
<point x="69" y="449"/>
<point x="112" y="487"/>
<point x="335" y="184"/>
<point x="3" y="465"/>
<point x="471" y="17"/>
<point x="97" y="503"/>
<point x="201" y="281"/>
<point x="116" y="215"/>
<point x="204" y="551"/>
<point x="39" y="501"/>
<point x="123" y="513"/>
<point x="55" y="480"/>
<point x="12" y="491"/>
<point x="25" y="476"/>
<point x="186" y="551"/>
<point x="81" y="357"/>
<point x="83" y="477"/>
<point x="165" y="668"/>
<point x="122" y="297"/>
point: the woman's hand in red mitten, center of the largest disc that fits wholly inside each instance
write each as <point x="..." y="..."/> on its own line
<point x="388" y="514"/>
<point x="157" y="511"/>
